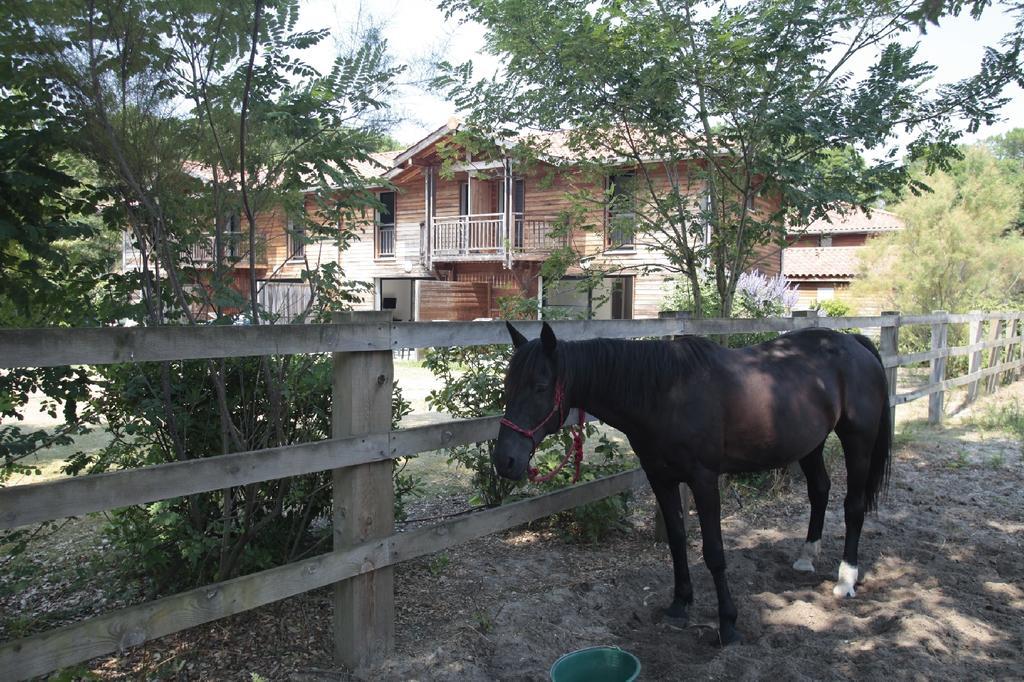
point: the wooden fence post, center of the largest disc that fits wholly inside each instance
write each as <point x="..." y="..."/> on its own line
<point x="1014" y="328"/>
<point x="974" y="335"/>
<point x="994" y="354"/>
<point x="889" y="345"/>
<point x="364" y="505"/>
<point x="935" y="400"/>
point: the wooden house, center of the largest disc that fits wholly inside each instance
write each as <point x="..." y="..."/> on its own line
<point x="823" y="257"/>
<point x="451" y="239"/>
<point x="462" y="235"/>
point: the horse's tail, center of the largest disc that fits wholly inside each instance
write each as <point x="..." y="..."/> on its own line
<point x="881" y="455"/>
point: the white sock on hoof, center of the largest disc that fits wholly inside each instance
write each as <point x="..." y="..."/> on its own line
<point x="847" y="579"/>
<point x="808" y="554"/>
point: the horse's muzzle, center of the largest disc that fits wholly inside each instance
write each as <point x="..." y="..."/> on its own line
<point x="511" y="455"/>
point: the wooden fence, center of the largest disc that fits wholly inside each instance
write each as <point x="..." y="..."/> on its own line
<point x="359" y="455"/>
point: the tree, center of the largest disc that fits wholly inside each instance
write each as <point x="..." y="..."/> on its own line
<point x="955" y="253"/>
<point x="1008" y="148"/>
<point x="199" y="117"/>
<point x="731" y="116"/>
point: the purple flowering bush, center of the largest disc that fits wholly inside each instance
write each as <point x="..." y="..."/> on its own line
<point x="758" y="295"/>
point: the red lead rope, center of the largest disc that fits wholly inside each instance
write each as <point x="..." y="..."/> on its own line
<point x="575" y="450"/>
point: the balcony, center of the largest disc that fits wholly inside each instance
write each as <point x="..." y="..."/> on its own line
<point x="487" y="237"/>
<point x="236" y="250"/>
<point x="385" y="241"/>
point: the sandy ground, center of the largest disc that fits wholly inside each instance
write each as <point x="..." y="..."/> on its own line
<point x="941" y="594"/>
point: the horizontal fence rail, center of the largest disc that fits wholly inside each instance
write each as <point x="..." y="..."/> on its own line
<point x="134" y="625"/>
<point x="373" y="338"/>
<point x="36" y="502"/>
<point x="112" y="345"/>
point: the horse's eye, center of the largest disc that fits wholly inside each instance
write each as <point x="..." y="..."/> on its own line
<point x="541" y="388"/>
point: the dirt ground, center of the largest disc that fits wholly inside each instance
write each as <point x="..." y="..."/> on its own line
<point x="942" y="592"/>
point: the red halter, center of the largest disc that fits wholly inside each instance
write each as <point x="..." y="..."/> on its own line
<point x="575" y="449"/>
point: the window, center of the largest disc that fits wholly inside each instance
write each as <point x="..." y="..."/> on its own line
<point x="622" y="298"/>
<point x="384" y="226"/>
<point x="518" y="208"/>
<point x="826" y="293"/>
<point x="296" y="240"/>
<point x="621" y="213"/>
<point x="463" y="198"/>
<point x="705" y="209"/>
<point x="233" y="237"/>
<point x="612" y="299"/>
<point x="825" y="240"/>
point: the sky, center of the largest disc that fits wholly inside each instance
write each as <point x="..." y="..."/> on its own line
<point x="418" y="32"/>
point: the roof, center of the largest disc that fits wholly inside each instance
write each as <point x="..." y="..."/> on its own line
<point x="823" y="262"/>
<point x="432" y="138"/>
<point x="855" y="220"/>
<point x="368" y="170"/>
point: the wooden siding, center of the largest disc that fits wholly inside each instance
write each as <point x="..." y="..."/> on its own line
<point x="546" y="189"/>
<point x="767" y="259"/>
<point x="272" y="226"/>
<point x="454" y="300"/>
<point x="360" y="262"/>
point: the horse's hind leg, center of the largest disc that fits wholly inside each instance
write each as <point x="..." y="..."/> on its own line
<point x="709" y="507"/>
<point x="667" y="494"/>
<point x="857" y="449"/>
<point x="818" y="486"/>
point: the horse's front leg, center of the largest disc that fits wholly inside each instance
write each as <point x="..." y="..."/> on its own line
<point x="709" y="508"/>
<point x="667" y="494"/>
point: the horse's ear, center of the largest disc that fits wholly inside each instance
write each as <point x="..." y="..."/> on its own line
<point x="517" y="338"/>
<point x="547" y="339"/>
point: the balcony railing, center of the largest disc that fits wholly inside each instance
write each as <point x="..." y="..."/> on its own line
<point x="486" y="236"/>
<point x="235" y="245"/>
<point x="385" y="241"/>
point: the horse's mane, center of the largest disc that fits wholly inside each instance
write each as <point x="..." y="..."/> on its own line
<point x="636" y="372"/>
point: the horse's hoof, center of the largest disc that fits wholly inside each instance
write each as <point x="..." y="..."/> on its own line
<point x="844" y="591"/>
<point x="678" y="614"/>
<point x="847" y="579"/>
<point x="727" y="636"/>
<point x="805" y="564"/>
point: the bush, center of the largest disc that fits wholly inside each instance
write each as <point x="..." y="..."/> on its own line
<point x="473" y="386"/>
<point x="472" y="381"/>
<point x="598" y="520"/>
<point x="194" y="540"/>
<point x="833" y="308"/>
<point x="759" y="296"/>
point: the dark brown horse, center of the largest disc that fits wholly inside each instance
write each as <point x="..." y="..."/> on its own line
<point x="693" y="410"/>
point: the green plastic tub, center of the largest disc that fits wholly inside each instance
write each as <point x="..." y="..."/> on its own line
<point x="596" y="664"/>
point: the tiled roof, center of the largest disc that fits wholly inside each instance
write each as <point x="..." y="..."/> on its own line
<point x="827" y="261"/>
<point x="855" y="220"/>
<point x="372" y="171"/>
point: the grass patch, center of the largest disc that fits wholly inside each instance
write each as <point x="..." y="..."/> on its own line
<point x="437" y="478"/>
<point x="1007" y="417"/>
<point x="48" y="462"/>
<point x="960" y="461"/>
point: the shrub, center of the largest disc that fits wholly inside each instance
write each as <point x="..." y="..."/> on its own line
<point x="598" y="520"/>
<point x="472" y="381"/>
<point x="472" y="385"/>
<point x="214" y="536"/>
<point x="759" y="296"/>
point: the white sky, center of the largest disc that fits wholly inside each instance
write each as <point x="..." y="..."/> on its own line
<point x="417" y="31"/>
